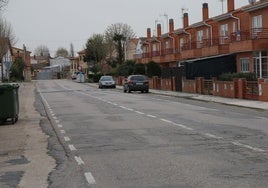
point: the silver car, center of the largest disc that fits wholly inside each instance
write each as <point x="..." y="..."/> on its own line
<point x="106" y="82"/>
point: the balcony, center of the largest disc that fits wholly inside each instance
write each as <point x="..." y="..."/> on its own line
<point x="250" y="40"/>
<point x="168" y="55"/>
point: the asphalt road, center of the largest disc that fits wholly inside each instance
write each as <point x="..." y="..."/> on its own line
<point x="107" y="138"/>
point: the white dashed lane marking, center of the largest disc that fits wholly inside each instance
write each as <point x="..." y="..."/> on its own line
<point x="189" y="128"/>
<point x="72" y="148"/>
<point x="90" y="179"/>
<point x="67" y="139"/>
<point x="248" y="147"/>
<point x="60" y="126"/>
<point x="152" y="116"/>
<point x="139" y="112"/>
<point x="167" y="121"/>
<point x="183" y="126"/>
<point x="212" y="136"/>
<point x="79" y="160"/>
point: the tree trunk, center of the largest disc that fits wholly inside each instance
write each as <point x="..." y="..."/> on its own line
<point x="2" y="70"/>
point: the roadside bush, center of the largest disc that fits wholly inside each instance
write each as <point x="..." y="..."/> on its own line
<point x="153" y="69"/>
<point x="96" y="77"/>
<point x="17" y="70"/>
<point x="126" y="68"/>
<point x="230" y="76"/>
<point x="139" y="68"/>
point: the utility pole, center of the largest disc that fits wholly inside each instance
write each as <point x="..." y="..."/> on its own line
<point x="222" y="7"/>
<point x="24" y="59"/>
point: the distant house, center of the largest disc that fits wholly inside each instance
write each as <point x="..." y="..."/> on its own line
<point x="62" y="62"/>
<point x="74" y="64"/>
<point x="131" y="47"/>
<point x="82" y="65"/>
<point x="38" y="63"/>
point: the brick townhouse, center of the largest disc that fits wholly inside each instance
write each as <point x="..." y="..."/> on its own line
<point x="236" y="41"/>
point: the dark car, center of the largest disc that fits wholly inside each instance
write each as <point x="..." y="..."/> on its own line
<point x="136" y="83"/>
<point x="107" y="81"/>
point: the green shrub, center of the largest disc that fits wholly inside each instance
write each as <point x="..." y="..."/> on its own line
<point x="153" y="69"/>
<point x="96" y="77"/>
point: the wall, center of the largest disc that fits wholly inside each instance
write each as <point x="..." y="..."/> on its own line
<point x="224" y="89"/>
<point x="238" y="88"/>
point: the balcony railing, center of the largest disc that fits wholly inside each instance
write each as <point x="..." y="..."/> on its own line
<point x="168" y="51"/>
<point x="155" y="53"/>
<point x="252" y="34"/>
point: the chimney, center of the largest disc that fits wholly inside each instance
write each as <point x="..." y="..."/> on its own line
<point x="205" y="11"/>
<point x="230" y="5"/>
<point x="171" y="25"/>
<point x="158" y="30"/>
<point x="148" y="33"/>
<point x="185" y="20"/>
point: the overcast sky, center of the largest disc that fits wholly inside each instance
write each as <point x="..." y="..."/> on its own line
<point x="58" y="23"/>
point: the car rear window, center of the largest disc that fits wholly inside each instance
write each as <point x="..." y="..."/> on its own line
<point x="138" y="78"/>
<point x="107" y="78"/>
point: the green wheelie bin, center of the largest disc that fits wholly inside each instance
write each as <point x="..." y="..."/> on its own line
<point x="9" y="102"/>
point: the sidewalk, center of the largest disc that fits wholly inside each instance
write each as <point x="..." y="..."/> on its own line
<point x="210" y="98"/>
<point x="24" y="161"/>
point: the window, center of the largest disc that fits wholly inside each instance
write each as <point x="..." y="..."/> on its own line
<point x="224" y="30"/>
<point x="199" y="38"/>
<point x="223" y="33"/>
<point x="207" y="33"/>
<point x="154" y="47"/>
<point x="145" y="49"/>
<point x="244" y="64"/>
<point x="181" y="43"/>
<point x="167" y="45"/>
<point x="256" y="25"/>
<point x="257" y="21"/>
<point x="234" y="27"/>
<point x="260" y="59"/>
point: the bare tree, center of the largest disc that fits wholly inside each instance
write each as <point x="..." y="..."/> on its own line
<point x="62" y="52"/>
<point x="42" y="50"/>
<point x="96" y="51"/>
<point x="116" y="36"/>
<point x="7" y="39"/>
<point x="3" y="3"/>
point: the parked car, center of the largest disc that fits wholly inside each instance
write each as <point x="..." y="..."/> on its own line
<point x="107" y="82"/>
<point x="136" y="83"/>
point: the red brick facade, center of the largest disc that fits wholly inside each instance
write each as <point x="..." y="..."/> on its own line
<point x="232" y="32"/>
<point x="242" y="32"/>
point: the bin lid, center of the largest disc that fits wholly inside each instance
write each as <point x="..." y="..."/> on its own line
<point x="9" y="86"/>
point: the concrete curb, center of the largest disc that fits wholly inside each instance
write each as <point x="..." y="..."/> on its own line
<point x="209" y="98"/>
